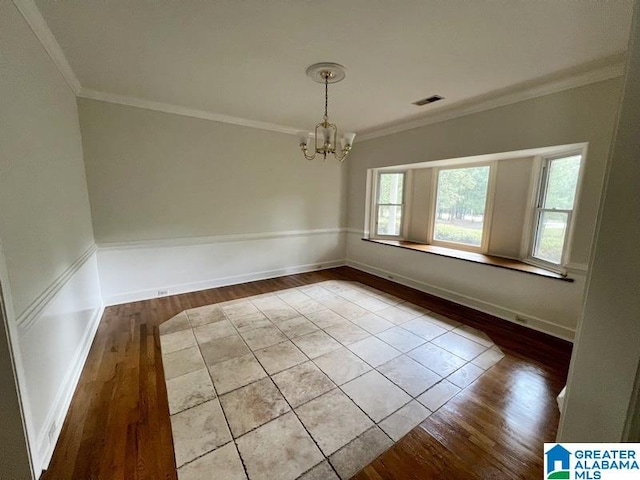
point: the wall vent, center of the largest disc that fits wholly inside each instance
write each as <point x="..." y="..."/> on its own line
<point x="426" y="101"/>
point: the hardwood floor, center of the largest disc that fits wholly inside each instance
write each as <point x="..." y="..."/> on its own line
<point x="118" y="424"/>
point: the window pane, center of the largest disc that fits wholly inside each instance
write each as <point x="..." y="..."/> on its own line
<point x="389" y="220"/>
<point x="462" y="197"/>
<point x="550" y="240"/>
<point x="390" y="188"/>
<point x="561" y="183"/>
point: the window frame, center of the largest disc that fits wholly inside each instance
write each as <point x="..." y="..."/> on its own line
<point x="489" y="202"/>
<point x="536" y="209"/>
<point x="375" y="205"/>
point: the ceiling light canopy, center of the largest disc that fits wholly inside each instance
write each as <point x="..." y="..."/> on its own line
<point x="326" y="133"/>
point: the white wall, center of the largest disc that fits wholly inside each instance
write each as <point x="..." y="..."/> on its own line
<point x="584" y="114"/>
<point x="204" y="203"/>
<point x="605" y="361"/>
<point x="52" y="290"/>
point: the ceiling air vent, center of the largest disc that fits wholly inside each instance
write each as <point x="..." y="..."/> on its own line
<point x="425" y="101"/>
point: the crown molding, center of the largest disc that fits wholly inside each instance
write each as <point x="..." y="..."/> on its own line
<point x="36" y="21"/>
<point x="184" y="111"/>
<point x="513" y="95"/>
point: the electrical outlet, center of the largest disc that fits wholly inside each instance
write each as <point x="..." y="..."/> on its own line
<point x="163" y="292"/>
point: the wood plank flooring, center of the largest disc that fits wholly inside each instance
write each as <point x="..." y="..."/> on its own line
<point x="118" y="424"/>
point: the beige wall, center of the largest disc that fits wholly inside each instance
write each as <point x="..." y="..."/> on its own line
<point x="45" y="221"/>
<point x="156" y="175"/>
<point x="584" y="114"/>
<point x="49" y="276"/>
<point x="599" y="401"/>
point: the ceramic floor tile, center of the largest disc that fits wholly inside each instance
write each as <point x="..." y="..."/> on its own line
<point x="441" y="321"/>
<point x="465" y="376"/>
<point x="175" y="324"/>
<point x="212" y="331"/>
<point x="409" y="375"/>
<point x="316" y="344"/>
<point x="376" y="395"/>
<point x="302" y="383"/>
<point x="270" y="301"/>
<point x="398" y="424"/>
<point x="401" y="339"/>
<point x="333" y="420"/>
<point x="342" y="365"/>
<point x="411" y="308"/>
<point x="250" y="321"/>
<point x="236" y="373"/>
<point x="437" y="359"/>
<point x="172" y="342"/>
<point x="189" y="390"/>
<point x="182" y="362"/>
<point x="252" y="406"/>
<point x="280" y="357"/>
<point x="204" y="315"/>
<point x="423" y="328"/>
<point x="296" y="327"/>
<point x="315" y="291"/>
<point x="308" y="306"/>
<point x="438" y="395"/>
<point x="387" y="297"/>
<point x="371" y="304"/>
<point x="460" y="346"/>
<point x="373" y="351"/>
<point x="489" y="358"/>
<point x="347" y="333"/>
<point x="280" y="449"/>
<point x="224" y="461"/>
<point x="292" y="296"/>
<point x="349" y="310"/>
<point x="395" y="315"/>
<point x="263" y="337"/>
<point x="325" y="318"/>
<point x="239" y="309"/>
<point x="474" y="334"/>
<point x="358" y="453"/>
<point x="373" y="323"/>
<point x="322" y="471"/>
<point x="198" y="430"/>
<point x="281" y="314"/>
<point x="354" y="295"/>
<point x="223" y="349"/>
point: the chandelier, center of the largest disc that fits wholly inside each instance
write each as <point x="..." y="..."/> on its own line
<point x="326" y="133"/>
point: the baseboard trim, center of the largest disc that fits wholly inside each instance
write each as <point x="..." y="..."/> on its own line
<point x="32" y="313"/>
<point x="532" y="322"/>
<point x="147" y="294"/>
<point x="48" y="436"/>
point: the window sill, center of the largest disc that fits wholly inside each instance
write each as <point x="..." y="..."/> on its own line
<point x="491" y="260"/>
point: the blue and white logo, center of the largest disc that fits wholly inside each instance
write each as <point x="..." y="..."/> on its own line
<point x="592" y="461"/>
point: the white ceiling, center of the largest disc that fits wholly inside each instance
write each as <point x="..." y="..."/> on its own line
<point x="247" y="58"/>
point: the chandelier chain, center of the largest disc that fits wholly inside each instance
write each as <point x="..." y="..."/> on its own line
<point x="326" y="97"/>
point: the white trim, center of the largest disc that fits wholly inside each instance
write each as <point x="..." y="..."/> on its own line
<point x="184" y="111"/>
<point x="34" y="18"/>
<point x="240" y="237"/>
<point x="30" y="315"/>
<point x="58" y="411"/>
<point x="498" y="99"/>
<point x="579" y="268"/>
<point x="508" y="314"/>
<point x="220" y="282"/>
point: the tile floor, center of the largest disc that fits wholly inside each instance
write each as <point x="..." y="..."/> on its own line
<point x="309" y="383"/>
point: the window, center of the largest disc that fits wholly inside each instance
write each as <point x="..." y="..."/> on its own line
<point x="554" y="208"/>
<point x="390" y="203"/>
<point x="461" y="202"/>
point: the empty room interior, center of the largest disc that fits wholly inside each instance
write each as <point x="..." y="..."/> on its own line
<point x="270" y="239"/>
